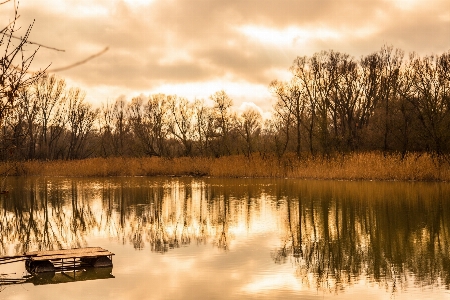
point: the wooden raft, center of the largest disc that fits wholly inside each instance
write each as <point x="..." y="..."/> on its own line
<point x="67" y="259"/>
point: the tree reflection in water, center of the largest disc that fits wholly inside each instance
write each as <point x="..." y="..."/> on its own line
<point x="391" y="235"/>
<point x="44" y="214"/>
<point x="335" y="233"/>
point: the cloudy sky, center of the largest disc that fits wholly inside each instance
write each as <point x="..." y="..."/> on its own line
<point x="194" y="48"/>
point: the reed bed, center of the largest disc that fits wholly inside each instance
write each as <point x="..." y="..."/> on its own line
<point x="356" y="166"/>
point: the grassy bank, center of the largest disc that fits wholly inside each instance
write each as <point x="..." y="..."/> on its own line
<point x="358" y="166"/>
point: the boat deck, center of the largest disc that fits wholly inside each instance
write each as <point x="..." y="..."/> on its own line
<point x="61" y="260"/>
<point x="89" y="252"/>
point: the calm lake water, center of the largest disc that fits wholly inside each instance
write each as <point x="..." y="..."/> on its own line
<point x="191" y="238"/>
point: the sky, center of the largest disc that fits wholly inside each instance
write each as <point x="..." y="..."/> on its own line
<point x="193" y="48"/>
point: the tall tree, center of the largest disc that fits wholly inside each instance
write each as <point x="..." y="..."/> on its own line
<point x="182" y="122"/>
<point x="431" y="99"/>
<point x="49" y="91"/>
<point x="250" y="123"/>
<point x="80" y="121"/>
<point x="223" y="120"/>
<point x="291" y="105"/>
<point x="150" y="123"/>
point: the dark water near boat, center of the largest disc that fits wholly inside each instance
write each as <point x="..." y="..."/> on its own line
<point x="187" y="238"/>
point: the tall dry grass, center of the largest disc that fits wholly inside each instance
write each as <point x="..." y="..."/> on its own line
<point x="356" y="166"/>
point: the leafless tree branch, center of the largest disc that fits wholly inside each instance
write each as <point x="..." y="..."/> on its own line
<point x="78" y="63"/>
<point x="34" y="43"/>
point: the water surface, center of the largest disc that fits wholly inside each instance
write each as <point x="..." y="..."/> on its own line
<point x="189" y="238"/>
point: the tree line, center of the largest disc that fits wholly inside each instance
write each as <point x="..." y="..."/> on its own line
<point x="381" y="102"/>
<point x="333" y="103"/>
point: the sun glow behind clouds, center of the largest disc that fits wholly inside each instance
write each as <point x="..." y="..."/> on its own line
<point x="202" y="90"/>
<point x="86" y="8"/>
<point x="288" y="36"/>
<point x="405" y="4"/>
<point x="209" y="87"/>
<point x="138" y="2"/>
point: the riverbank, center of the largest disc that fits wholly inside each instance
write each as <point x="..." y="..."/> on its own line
<point x="357" y="166"/>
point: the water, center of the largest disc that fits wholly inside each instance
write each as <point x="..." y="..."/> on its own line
<point x="188" y="238"/>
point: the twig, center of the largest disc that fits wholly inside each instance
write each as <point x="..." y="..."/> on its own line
<point x="46" y="70"/>
<point x="34" y="43"/>
<point x="79" y="63"/>
<point x="1" y="31"/>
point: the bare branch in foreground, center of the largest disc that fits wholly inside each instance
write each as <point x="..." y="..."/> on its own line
<point x="46" y="70"/>
<point x="34" y="43"/>
<point x="78" y="63"/>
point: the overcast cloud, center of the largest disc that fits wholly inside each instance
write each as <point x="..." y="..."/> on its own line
<point x="194" y="48"/>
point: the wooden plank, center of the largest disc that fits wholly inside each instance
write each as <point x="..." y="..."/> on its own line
<point x="7" y="257"/>
<point x="71" y="255"/>
<point x="66" y="251"/>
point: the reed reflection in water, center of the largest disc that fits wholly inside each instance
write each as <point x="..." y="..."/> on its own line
<point x="335" y="235"/>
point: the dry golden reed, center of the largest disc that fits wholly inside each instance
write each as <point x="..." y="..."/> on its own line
<point x="356" y="166"/>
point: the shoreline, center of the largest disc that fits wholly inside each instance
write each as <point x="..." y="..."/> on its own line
<point x="353" y="166"/>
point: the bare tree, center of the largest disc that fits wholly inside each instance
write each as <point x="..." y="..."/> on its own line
<point x="30" y="106"/>
<point x="81" y="118"/>
<point x="115" y="128"/>
<point x="430" y="97"/>
<point x="49" y="92"/>
<point x="14" y="64"/>
<point x="182" y="122"/>
<point x="223" y="117"/>
<point x="150" y="123"/>
<point x="30" y="101"/>
<point x="204" y="126"/>
<point x="391" y="62"/>
<point x="121" y="125"/>
<point x="250" y="129"/>
<point x="317" y="76"/>
<point x="347" y="100"/>
<point x="290" y="106"/>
